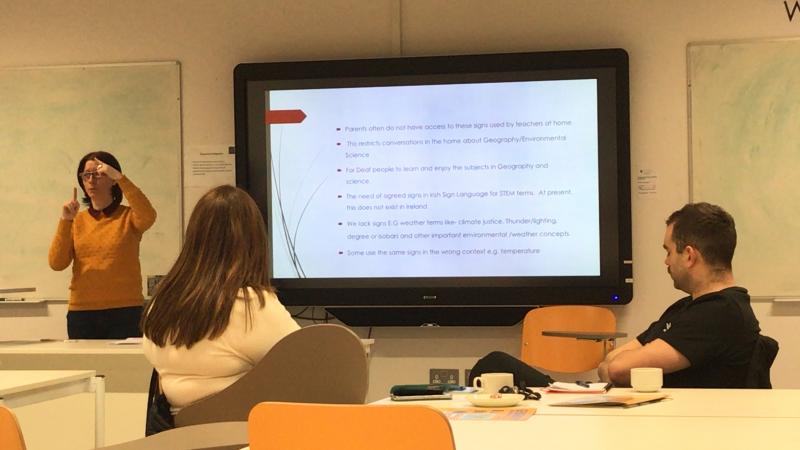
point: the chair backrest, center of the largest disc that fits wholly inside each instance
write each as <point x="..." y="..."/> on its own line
<point x="294" y="426"/>
<point x="315" y="364"/>
<point x="10" y="432"/>
<point x="207" y="436"/>
<point x="764" y="353"/>
<point x="562" y="354"/>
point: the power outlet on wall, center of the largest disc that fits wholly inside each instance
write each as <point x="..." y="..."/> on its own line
<point x="443" y="376"/>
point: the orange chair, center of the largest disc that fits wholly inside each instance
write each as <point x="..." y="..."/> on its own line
<point x="566" y="354"/>
<point x="296" y="426"/>
<point x="10" y="432"/>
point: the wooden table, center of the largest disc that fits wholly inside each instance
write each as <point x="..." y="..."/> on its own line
<point x="124" y="366"/>
<point x="24" y="387"/>
<point x="691" y="419"/>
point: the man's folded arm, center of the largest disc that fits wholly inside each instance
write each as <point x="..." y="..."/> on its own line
<point x="657" y="353"/>
<point x="602" y="369"/>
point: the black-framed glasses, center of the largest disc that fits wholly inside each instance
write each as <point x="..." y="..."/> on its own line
<point x="86" y="176"/>
<point x="526" y="393"/>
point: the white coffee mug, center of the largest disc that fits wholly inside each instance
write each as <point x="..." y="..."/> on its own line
<point x="646" y="379"/>
<point x="491" y="383"/>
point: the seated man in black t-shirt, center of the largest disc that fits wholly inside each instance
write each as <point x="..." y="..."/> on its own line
<point x="707" y="338"/>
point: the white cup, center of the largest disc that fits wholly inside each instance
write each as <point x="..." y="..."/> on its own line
<point x="491" y="383"/>
<point x="646" y="379"/>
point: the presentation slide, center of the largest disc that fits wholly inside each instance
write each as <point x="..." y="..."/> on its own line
<point x="452" y="180"/>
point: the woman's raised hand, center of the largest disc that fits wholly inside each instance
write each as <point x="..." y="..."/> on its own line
<point x="107" y="170"/>
<point x="70" y="208"/>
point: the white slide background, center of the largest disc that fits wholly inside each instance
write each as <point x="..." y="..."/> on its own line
<point x="488" y="179"/>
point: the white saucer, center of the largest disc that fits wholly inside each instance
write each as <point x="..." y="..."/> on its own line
<point x="486" y="400"/>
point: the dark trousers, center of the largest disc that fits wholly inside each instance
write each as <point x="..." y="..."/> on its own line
<point x="116" y="323"/>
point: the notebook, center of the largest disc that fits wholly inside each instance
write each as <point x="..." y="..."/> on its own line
<point x="625" y="401"/>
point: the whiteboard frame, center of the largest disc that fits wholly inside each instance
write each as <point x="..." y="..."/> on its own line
<point x="690" y="132"/>
<point x="176" y="197"/>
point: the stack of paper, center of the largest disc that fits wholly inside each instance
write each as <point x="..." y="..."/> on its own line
<point x="488" y="414"/>
<point x="575" y="388"/>
<point x="127" y="341"/>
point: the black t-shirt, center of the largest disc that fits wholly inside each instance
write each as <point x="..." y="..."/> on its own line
<point x="716" y="332"/>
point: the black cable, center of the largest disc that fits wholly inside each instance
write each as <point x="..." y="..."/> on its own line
<point x="304" y="318"/>
<point x="326" y="318"/>
<point x="299" y="315"/>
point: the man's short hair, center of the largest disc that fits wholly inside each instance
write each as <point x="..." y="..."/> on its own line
<point x="708" y="228"/>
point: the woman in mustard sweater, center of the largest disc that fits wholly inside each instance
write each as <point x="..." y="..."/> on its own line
<point x="102" y="243"/>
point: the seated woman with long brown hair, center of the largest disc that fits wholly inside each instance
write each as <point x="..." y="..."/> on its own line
<point x="214" y="315"/>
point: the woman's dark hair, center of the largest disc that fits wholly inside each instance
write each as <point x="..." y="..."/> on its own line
<point x="224" y="253"/>
<point x="106" y="158"/>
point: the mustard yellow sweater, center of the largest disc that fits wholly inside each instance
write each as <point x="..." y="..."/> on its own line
<point x="104" y="253"/>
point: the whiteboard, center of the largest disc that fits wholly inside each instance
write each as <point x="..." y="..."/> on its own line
<point x="49" y="118"/>
<point x="744" y="115"/>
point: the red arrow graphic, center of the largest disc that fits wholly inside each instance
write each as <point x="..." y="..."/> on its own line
<point x="284" y="116"/>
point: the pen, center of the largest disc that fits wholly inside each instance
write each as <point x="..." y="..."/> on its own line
<point x="608" y="386"/>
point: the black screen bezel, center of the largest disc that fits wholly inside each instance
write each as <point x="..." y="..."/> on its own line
<point x="613" y="286"/>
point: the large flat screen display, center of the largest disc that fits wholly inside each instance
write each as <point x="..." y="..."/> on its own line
<point x="455" y="182"/>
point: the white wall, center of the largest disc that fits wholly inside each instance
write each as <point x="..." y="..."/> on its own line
<point x="209" y="37"/>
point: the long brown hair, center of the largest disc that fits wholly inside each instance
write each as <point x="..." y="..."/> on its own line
<point x="225" y="251"/>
